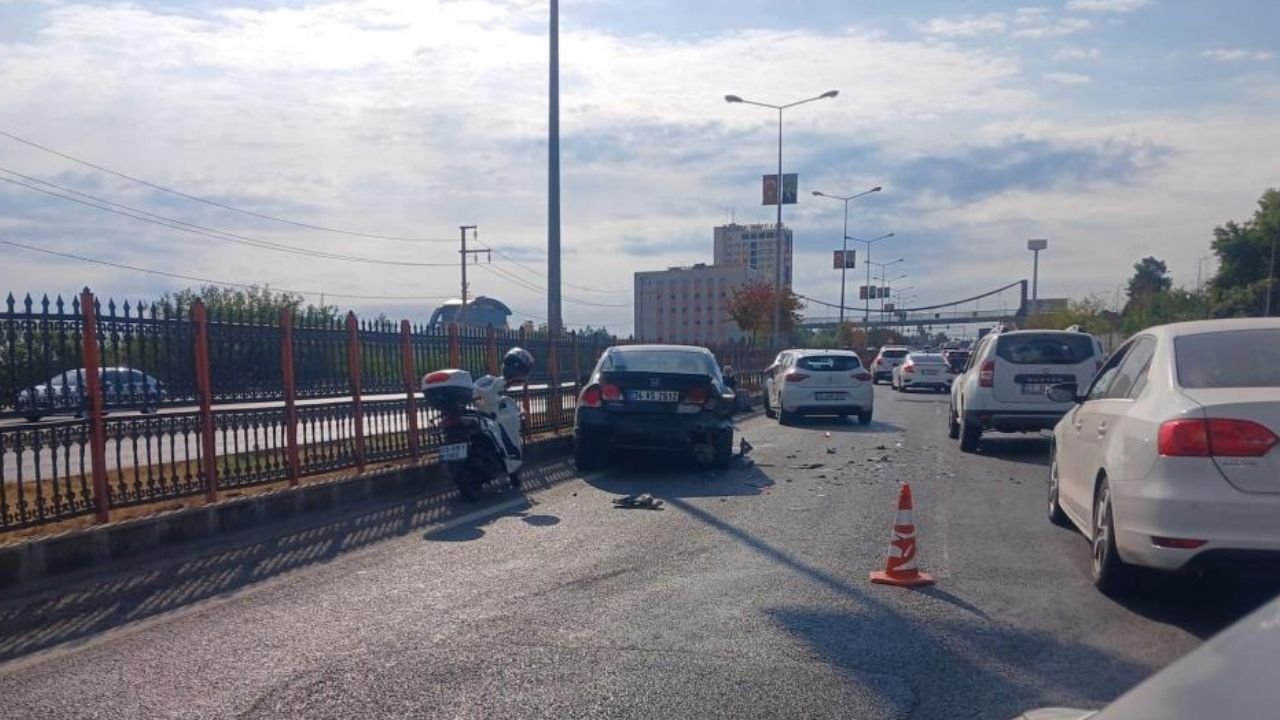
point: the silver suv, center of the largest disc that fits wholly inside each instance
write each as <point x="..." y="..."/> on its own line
<point x="1003" y="386"/>
<point x="889" y="357"/>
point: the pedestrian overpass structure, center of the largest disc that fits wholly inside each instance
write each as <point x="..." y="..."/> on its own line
<point x="1007" y="304"/>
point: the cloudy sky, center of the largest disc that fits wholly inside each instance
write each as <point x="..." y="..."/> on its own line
<point x="1115" y="128"/>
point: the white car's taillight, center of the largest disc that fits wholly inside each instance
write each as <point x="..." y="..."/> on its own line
<point x="1215" y="437"/>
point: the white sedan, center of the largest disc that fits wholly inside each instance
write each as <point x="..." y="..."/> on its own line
<point x="819" y="382"/>
<point x="1169" y="461"/>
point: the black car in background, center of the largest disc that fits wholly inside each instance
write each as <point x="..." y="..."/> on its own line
<point x="654" y="397"/>
<point x="956" y="360"/>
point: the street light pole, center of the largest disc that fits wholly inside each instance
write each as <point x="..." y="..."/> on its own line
<point x="777" y="268"/>
<point x="844" y="244"/>
<point x="866" y="316"/>
<point x="1035" y="246"/>
<point x="554" y="318"/>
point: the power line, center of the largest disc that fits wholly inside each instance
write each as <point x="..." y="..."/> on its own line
<point x="226" y="283"/>
<point x="175" y="224"/>
<point x="543" y="276"/>
<point x="215" y="203"/>
<point x="529" y="285"/>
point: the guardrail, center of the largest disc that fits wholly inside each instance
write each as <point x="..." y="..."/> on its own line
<point x="197" y="437"/>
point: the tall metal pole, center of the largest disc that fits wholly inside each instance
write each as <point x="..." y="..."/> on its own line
<point x="866" y="316"/>
<point x="777" y="269"/>
<point x="1035" y="281"/>
<point x="844" y="260"/>
<point x="554" y="318"/>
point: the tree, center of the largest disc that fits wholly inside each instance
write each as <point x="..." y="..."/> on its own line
<point x="1244" y="252"/>
<point x="1150" y="276"/>
<point x="751" y="306"/>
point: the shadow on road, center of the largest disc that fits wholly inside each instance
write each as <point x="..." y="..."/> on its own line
<point x="80" y="610"/>
<point x="1028" y="449"/>
<point x="964" y="667"/>
<point x="851" y="425"/>
<point x="474" y="529"/>
<point x="1202" y="606"/>
<point x="672" y="475"/>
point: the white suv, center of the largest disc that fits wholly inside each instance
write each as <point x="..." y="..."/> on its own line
<point x="1003" y="386"/>
<point x="889" y="357"/>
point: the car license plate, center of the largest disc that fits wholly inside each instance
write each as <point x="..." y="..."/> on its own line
<point x="1034" y="389"/>
<point x="655" y="395"/>
<point x="453" y="452"/>
<point x="828" y="396"/>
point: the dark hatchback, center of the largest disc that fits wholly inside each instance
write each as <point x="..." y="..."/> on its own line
<point x="654" y="397"/>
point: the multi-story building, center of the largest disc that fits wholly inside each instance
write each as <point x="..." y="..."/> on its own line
<point x="754" y="247"/>
<point x="689" y="304"/>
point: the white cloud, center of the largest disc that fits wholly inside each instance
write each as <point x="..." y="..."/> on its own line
<point x="1056" y="28"/>
<point x="1066" y="78"/>
<point x="1107" y="6"/>
<point x="966" y="26"/>
<point x="1237" y="55"/>
<point x="1076" y="53"/>
<point x="1030" y="15"/>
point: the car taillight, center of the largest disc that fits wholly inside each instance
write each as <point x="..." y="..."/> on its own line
<point x="1218" y="437"/>
<point x="987" y="374"/>
<point x="591" y="396"/>
<point x="908" y="368"/>
<point x="863" y="376"/>
<point x="696" y="396"/>
<point x="611" y="392"/>
<point x="435" y="377"/>
<point x="879" y="361"/>
<point x="795" y="377"/>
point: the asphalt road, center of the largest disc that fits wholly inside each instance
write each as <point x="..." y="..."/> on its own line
<point x="746" y="596"/>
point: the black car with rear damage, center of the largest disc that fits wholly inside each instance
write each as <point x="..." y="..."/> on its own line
<point x="654" y="397"/>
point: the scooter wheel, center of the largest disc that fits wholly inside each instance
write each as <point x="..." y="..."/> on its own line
<point x="515" y="480"/>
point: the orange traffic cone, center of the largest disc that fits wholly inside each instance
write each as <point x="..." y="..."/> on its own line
<point x="900" y="569"/>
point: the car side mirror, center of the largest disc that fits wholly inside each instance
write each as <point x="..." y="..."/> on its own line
<point x="1064" y="393"/>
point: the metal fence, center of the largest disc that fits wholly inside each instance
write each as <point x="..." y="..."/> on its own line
<point x="236" y="400"/>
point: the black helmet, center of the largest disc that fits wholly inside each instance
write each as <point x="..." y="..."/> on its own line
<point x="516" y="365"/>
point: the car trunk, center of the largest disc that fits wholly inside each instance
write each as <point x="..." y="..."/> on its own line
<point x="1260" y="405"/>
<point x="648" y="393"/>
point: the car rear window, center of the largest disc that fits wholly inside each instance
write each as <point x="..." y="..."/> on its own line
<point x="829" y="363"/>
<point x="679" y="362"/>
<point x="1234" y="358"/>
<point x="895" y="354"/>
<point x="1048" y="349"/>
<point x="923" y="359"/>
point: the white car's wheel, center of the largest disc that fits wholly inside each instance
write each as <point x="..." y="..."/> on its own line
<point x="1110" y="573"/>
<point x="1056" y="515"/>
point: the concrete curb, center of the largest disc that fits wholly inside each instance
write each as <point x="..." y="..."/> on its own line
<point x="25" y="563"/>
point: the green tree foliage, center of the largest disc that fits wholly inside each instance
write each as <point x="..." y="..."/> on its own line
<point x="1244" y="252"/>
<point x="1150" y="277"/>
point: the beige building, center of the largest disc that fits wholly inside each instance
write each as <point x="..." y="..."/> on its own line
<point x="755" y="247"/>
<point x="688" y="304"/>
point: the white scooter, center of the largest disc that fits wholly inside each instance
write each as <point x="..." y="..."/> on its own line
<point x="479" y="424"/>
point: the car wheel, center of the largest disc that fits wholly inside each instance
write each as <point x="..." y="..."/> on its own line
<point x="1056" y="515"/>
<point x="722" y="441"/>
<point x="515" y="480"/>
<point x="864" y="417"/>
<point x="768" y="408"/>
<point x="953" y="424"/>
<point x="786" y="418"/>
<point x="588" y="453"/>
<point x="970" y="434"/>
<point x="1110" y="573"/>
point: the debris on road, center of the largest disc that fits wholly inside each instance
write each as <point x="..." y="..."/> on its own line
<point x="644" y="500"/>
<point x="881" y="447"/>
<point x="744" y="447"/>
<point x="806" y="466"/>
<point x="831" y="451"/>
<point x="827" y="434"/>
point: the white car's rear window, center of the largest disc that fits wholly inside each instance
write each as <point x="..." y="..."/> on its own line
<point x="829" y="363"/>
<point x="1234" y="358"/>
<point x="1047" y="349"/>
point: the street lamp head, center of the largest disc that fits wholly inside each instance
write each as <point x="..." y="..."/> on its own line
<point x="732" y="99"/>
<point x="875" y="189"/>
<point x="819" y="193"/>
<point x="830" y="94"/>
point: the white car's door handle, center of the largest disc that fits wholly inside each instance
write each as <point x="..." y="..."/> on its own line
<point x="1102" y="429"/>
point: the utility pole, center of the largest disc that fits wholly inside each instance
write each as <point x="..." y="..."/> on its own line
<point x="1035" y="246"/>
<point x="554" y="318"/>
<point x="1271" y="276"/>
<point x="464" y="252"/>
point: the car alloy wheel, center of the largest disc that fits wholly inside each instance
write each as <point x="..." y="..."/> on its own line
<point x="1056" y="515"/>
<point x="1110" y="574"/>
